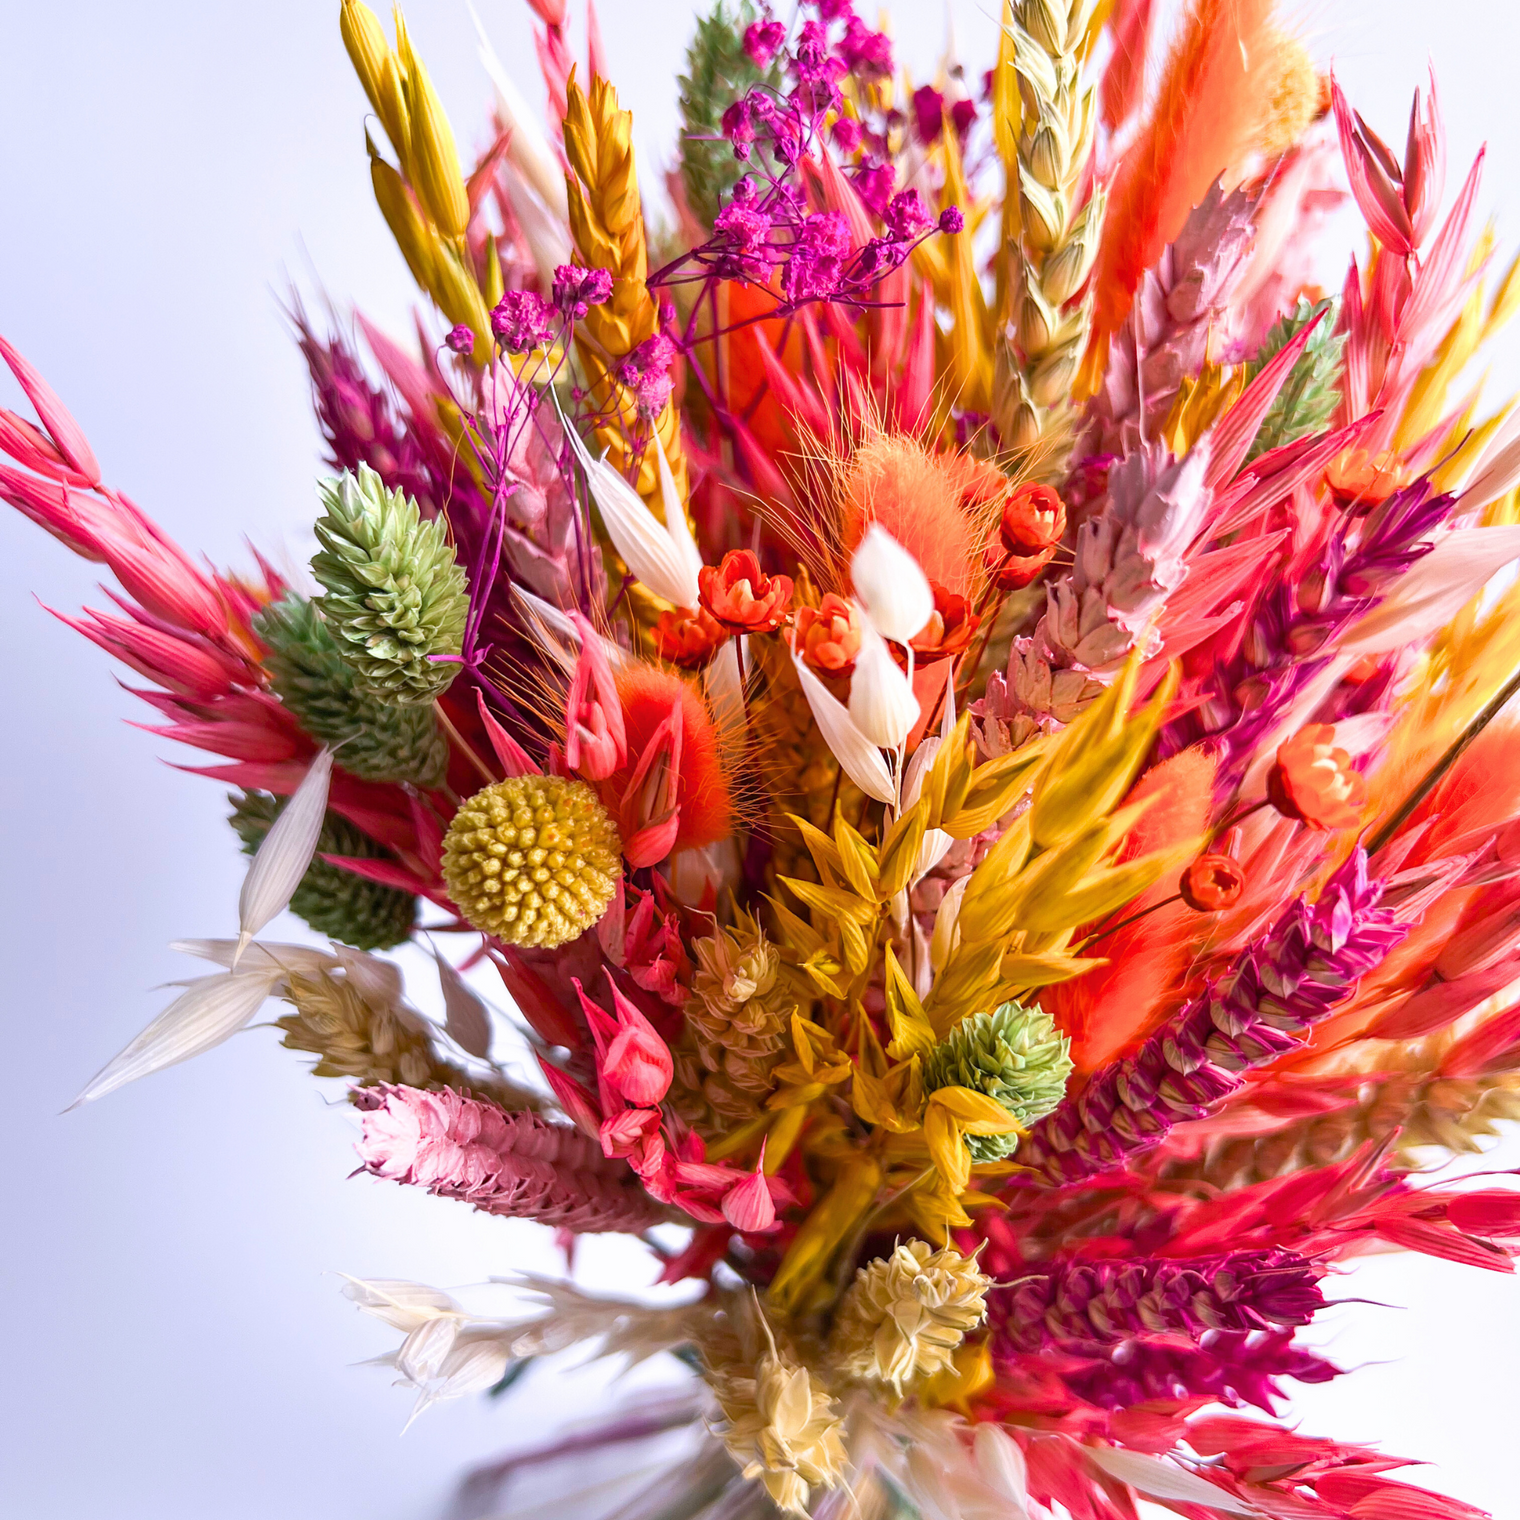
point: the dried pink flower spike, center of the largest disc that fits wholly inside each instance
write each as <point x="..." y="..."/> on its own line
<point x="514" y="1164"/>
<point x="1087" y="1304"/>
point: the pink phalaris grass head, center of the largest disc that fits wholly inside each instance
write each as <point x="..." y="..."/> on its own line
<point x="509" y="1163"/>
<point x="1278" y="987"/>
<point x="1087" y="1304"/>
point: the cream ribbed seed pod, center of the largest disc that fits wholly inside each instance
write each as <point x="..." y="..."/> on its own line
<point x="780" y="1423"/>
<point x="905" y="1314"/>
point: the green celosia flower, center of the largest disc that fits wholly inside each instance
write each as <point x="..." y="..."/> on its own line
<point x="1016" y="1056"/>
<point x="395" y="594"/>
<point x="333" y="901"/>
<point x="381" y="741"/>
<point x="718" y="72"/>
<point x="1311" y="393"/>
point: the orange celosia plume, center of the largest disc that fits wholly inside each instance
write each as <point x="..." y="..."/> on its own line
<point x="649" y="695"/>
<point x="1115" y="1004"/>
<point x="1205" y="120"/>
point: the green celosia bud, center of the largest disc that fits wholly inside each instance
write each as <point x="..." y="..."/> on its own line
<point x="1311" y="393"/>
<point x="395" y="594"/>
<point x="333" y="901"/>
<point x="381" y="741"/>
<point x="1016" y="1056"/>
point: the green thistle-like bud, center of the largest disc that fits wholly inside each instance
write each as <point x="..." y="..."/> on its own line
<point x="1312" y="391"/>
<point x="1016" y="1056"/>
<point x="381" y="741"/>
<point x="333" y="901"/>
<point x="718" y="72"/>
<point x="395" y="594"/>
<point x="533" y="860"/>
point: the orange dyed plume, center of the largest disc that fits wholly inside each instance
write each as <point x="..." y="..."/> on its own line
<point x="1115" y="1005"/>
<point x="702" y="792"/>
<point x="1207" y="116"/>
<point x="920" y="500"/>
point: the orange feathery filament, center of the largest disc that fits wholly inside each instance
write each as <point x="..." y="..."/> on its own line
<point x="916" y="497"/>
<point x="1207" y="115"/>
<point x="648" y="694"/>
<point x="1114" y="1005"/>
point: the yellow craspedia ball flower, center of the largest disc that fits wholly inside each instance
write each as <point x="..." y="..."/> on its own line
<point x="533" y="860"/>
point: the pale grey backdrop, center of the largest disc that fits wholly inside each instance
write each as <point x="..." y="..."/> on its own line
<point x="175" y="1343"/>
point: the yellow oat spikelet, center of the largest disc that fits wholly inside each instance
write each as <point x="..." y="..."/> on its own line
<point x="780" y="1422"/>
<point x="906" y="1314"/>
<point x="533" y="860"/>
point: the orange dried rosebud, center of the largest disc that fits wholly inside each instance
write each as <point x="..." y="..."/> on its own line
<point x="688" y="637"/>
<point x="1212" y="882"/>
<point x="1012" y="572"/>
<point x="1359" y="481"/>
<point x="1313" y="781"/>
<point x="828" y="636"/>
<point x="1034" y="518"/>
<point x="741" y="596"/>
<point x="947" y="632"/>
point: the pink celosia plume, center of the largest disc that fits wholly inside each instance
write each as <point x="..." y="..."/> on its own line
<point x="509" y="1163"/>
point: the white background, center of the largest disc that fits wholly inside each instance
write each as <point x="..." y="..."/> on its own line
<point x="174" y="1343"/>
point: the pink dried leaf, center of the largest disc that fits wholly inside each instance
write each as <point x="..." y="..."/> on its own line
<point x="62" y="429"/>
<point x="1234" y="433"/>
<point x="1373" y="175"/>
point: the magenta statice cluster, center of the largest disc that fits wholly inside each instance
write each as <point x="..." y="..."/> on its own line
<point x="773" y="223"/>
<point x="647" y="373"/>
<point x="523" y="320"/>
<point x="577" y="290"/>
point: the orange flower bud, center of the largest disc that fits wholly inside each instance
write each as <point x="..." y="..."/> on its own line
<point x="947" y="632"/>
<point x="828" y="636"/>
<point x="1212" y="882"/>
<point x="1313" y="781"/>
<point x="688" y="637"/>
<point x="1359" y="481"/>
<point x="1034" y="518"/>
<point x="1012" y="572"/>
<point x="741" y="596"/>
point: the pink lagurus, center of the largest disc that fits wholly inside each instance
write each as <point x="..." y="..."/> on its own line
<point x="1278" y="987"/>
<point x="504" y="1162"/>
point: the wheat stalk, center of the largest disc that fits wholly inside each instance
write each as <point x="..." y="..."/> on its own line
<point x="1044" y="125"/>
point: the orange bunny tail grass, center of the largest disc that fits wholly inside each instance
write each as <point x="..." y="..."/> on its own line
<point x="702" y="792"/>
<point x="1116" y="1004"/>
<point x="1207" y="118"/>
<point x="921" y="500"/>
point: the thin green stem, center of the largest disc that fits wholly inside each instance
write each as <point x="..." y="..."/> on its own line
<point x="1444" y="764"/>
